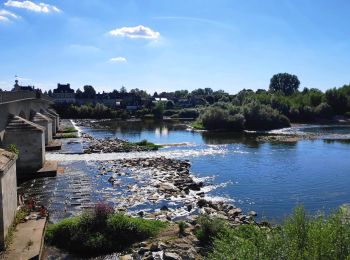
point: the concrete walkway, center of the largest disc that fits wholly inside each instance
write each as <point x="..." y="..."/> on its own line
<point x="27" y="240"/>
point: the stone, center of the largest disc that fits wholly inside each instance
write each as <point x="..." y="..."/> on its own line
<point x="171" y="256"/>
<point x="201" y="203"/>
<point x="252" y="213"/>
<point x="126" y="257"/>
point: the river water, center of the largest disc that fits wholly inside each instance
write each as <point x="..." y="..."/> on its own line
<point x="270" y="178"/>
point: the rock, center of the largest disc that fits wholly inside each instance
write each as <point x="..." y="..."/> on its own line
<point x="158" y="255"/>
<point x="126" y="257"/>
<point x="111" y="179"/>
<point x="222" y="216"/>
<point x="234" y="212"/>
<point x="201" y="203"/>
<point x="171" y="256"/>
<point x="154" y="247"/>
<point x="164" y="208"/>
<point x="189" y="207"/>
<point x="252" y="213"/>
<point x="143" y="250"/>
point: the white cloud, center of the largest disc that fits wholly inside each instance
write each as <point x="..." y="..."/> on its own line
<point x="135" y="32"/>
<point x="5" y="15"/>
<point x="29" y="5"/>
<point x="8" y="14"/>
<point x="118" y="60"/>
<point x="3" y="18"/>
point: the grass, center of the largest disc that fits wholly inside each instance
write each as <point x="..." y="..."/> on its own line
<point x="197" y="125"/>
<point x="20" y="215"/>
<point x="70" y="129"/>
<point x="100" y="232"/>
<point x="299" y="237"/>
<point x="148" y="146"/>
<point x="66" y="135"/>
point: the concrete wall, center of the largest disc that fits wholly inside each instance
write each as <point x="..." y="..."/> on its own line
<point x="45" y="122"/>
<point x="16" y="107"/>
<point x="8" y="195"/>
<point x="31" y="146"/>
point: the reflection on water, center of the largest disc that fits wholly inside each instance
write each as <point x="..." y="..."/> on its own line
<point x="270" y="178"/>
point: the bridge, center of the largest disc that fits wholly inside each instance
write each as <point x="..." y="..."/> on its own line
<point x="27" y="122"/>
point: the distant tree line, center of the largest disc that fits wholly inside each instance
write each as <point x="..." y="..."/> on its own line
<point x="262" y="109"/>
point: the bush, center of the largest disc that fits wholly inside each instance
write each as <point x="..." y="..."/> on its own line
<point x="188" y="113"/>
<point x="100" y="232"/>
<point x="299" y="237"/>
<point x="263" y="117"/>
<point x="215" y="118"/>
<point x="209" y="229"/>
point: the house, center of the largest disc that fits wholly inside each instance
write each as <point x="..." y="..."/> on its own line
<point x="63" y="94"/>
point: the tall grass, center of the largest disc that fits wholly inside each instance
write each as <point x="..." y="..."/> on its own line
<point x="298" y="237"/>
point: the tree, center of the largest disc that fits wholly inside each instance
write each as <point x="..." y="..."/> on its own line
<point x="337" y="100"/>
<point x="123" y="90"/>
<point x="89" y="92"/>
<point x="79" y="93"/>
<point x="285" y="83"/>
<point x="49" y="93"/>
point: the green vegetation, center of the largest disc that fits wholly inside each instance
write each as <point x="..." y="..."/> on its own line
<point x="66" y="135"/>
<point x="285" y="83"/>
<point x="20" y="215"/>
<point x="12" y="148"/>
<point x="68" y="130"/>
<point x="299" y="237"/>
<point x="149" y="145"/>
<point x="182" y="226"/>
<point x="101" y="231"/>
<point x="263" y="109"/>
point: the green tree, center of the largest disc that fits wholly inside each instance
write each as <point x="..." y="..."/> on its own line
<point x="89" y="92"/>
<point x="285" y="83"/>
<point x="337" y="100"/>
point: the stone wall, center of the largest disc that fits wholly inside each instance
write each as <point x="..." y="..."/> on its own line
<point x="30" y="141"/>
<point x="8" y="194"/>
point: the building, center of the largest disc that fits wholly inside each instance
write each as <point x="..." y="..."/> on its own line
<point x="17" y="87"/>
<point x="63" y="94"/>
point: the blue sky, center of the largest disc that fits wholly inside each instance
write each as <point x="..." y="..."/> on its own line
<point x="163" y="45"/>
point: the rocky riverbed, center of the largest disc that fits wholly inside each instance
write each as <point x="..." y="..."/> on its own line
<point x="113" y="145"/>
<point x="166" y="187"/>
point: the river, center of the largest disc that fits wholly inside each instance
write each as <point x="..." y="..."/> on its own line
<point x="268" y="177"/>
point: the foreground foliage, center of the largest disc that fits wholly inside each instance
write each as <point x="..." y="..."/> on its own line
<point x="100" y="231"/>
<point x="299" y="237"/>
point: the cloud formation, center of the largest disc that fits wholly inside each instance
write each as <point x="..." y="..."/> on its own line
<point x="5" y="15"/>
<point x="139" y="31"/>
<point x="29" y="5"/>
<point x="117" y="60"/>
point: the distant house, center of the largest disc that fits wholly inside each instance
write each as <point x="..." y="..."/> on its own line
<point x="17" y="87"/>
<point x="63" y="94"/>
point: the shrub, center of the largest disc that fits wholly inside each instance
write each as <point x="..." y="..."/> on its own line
<point x="12" y="148"/>
<point x="188" y="113"/>
<point x="209" y="229"/>
<point x="299" y="237"/>
<point x="263" y="117"/>
<point x="182" y="226"/>
<point x="100" y="232"/>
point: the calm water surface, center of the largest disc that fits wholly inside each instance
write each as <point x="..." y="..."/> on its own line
<point x="270" y="178"/>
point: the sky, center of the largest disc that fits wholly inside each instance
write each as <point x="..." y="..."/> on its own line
<point x="164" y="45"/>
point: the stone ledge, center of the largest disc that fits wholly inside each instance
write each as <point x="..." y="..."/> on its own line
<point x="7" y="159"/>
